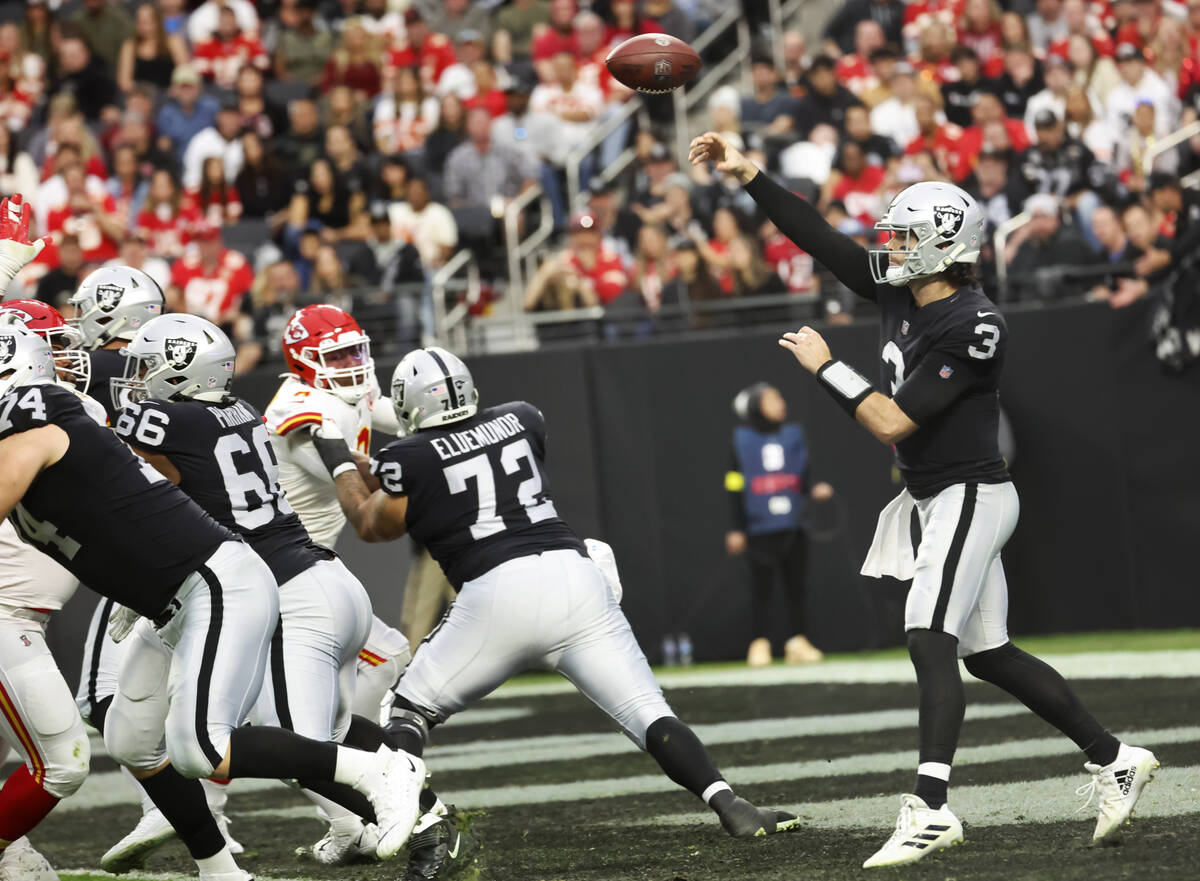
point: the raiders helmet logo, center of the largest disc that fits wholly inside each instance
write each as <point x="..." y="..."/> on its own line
<point x="8" y="348"/>
<point x="947" y="220"/>
<point x="180" y="352"/>
<point x="108" y="296"/>
<point x="662" y="68"/>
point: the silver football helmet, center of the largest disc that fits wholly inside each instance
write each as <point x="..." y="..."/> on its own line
<point x="940" y="223"/>
<point x="176" y="356"/>
<point x="25" y="359"/>
<point x="431" y="387"/>
<point x="113" y="303"/>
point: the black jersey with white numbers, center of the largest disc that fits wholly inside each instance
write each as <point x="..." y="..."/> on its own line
<point x="477" y="490"/>
<point x="110" y="519"/>
<point x="107" y="364"/>
<point x="226" y="465"/>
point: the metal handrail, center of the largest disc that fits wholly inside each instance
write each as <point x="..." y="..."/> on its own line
<point x="1000" y="240"/>
<point x="594" y="139"/>
<point x="443" y="322"/>
<point x="775" y="15"/>
<point x="685" y="99"/>
<point x="519" y="249"/>
<point x="1173" y="139"/>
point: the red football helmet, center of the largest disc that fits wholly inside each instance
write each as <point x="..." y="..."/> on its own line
<point x="71" y="362"/>
<point x="324" y="346"/>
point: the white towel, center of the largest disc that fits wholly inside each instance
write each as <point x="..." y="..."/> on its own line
<point x="891" y="550"/>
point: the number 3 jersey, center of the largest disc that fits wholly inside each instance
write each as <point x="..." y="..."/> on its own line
<point x="477" y="490"/>
<point x="226" y="465"/>
<point x="101" y="512"/>
<point x="942" y="364"/>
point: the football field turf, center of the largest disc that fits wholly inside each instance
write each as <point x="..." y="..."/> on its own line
<point x="555" y="793"/>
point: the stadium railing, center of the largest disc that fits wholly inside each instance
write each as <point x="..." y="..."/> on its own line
<point x="1170" y="142"/>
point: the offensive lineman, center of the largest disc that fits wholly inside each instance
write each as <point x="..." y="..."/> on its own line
<point x="944" y="347"/>
<point x="471" y="486"/>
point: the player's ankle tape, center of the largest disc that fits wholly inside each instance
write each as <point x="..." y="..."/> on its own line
<point x="845" y="385"/>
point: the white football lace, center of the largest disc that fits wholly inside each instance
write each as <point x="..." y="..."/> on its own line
<point x="1089" y="790"/>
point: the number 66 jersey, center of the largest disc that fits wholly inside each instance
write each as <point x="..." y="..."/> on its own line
<point x="942" y="364"/>
<point x="477" y="490"/>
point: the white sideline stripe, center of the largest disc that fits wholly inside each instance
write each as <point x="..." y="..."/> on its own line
<point x="1172" y="794"/>
<point x="561" y="747"/>
<point x="876" y="763"/>
<point x="111" y="788"/>
<point x="1089" y="665"/>
<point x="487" y="716"/>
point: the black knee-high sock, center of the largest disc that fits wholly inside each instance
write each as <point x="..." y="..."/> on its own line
<point x="1042" y="688"/>
<point x="935" y="658"/>
<point x="681" y="755"/>
<point x="365" y="734"/>
<point x="346" y="796"/>
<point x="260" y="751"/>
<point x="183" y="803"/>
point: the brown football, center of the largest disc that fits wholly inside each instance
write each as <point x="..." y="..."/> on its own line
<point x="653" y="63"/>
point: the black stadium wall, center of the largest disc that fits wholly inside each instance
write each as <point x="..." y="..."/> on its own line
<point x="1106" y="464"/>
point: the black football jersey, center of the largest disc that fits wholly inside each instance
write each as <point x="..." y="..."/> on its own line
<point x="109" y="518"/>
<point x="942" y="364"/>
<point x="477" y="490"/>
<point x="106" y="364"/>
<point x="226" y="465"/>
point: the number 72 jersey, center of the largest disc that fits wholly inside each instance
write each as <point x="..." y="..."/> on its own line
<point x="477" y="490"/>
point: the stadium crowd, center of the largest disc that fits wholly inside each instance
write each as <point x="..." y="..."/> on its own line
<point x="254" y="157"/>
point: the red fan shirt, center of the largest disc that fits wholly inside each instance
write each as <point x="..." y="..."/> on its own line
<point x="861" y="194"/>
<point x="169" y="232"/>
<point x="794" y="266"/>
<point x="212" y="292"/>
<point x="217" y="210"/>
<point x="432" y="57"/>
<point x="607" y="276"/>
<point x="219" y="61"/>
<point x="97" y="247"/>
<point x="944" y="146"/>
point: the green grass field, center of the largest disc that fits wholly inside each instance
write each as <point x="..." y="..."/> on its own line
<point x="556" y="794"/>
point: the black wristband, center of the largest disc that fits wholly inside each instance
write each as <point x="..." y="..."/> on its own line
<point x="845" y="385"/>
<point x="334" y="453"/>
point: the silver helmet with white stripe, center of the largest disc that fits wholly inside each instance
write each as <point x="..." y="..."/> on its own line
<point x="938" y="225"/>
<point x="432" y="387"/>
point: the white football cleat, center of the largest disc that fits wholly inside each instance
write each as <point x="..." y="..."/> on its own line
<point x="1118" y="786"/>
<point x="393" y="787"/>
<point x="920" y="831"/>
<point x="20" y="862"/>
<point x="341" y="847"/>
<point x="151" y="832"/>
<point x="232" y="843"/>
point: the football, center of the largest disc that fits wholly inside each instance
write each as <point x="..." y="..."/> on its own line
<point x="653" y="64"/>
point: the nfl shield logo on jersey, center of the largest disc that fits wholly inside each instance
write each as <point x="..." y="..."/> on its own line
<point x="946" y="372"/>
<point x="108" y="296"/>
<point x="903" y="327"/>
<point x="948" y="220"/>
<point x="180" y="353"/>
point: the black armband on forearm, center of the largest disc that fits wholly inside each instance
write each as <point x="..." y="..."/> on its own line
<point x="335" y="454"/>
<point x="845" y="385"/>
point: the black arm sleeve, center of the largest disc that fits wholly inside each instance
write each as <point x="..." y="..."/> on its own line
<point x="927" y="391"/>
<point x="804" y="225"/>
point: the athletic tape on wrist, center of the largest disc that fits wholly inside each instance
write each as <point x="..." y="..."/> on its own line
<point x="845" y="385"/>
<point x="342" y="469"/>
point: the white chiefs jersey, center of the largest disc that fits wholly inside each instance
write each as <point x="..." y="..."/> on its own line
<point x="309" y="488"/>
<point x="28" y="578"/>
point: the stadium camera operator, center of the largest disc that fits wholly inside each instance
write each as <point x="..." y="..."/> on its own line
<point x="1177" y="317"/>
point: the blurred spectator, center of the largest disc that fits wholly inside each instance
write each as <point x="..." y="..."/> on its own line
<point x="856" y="183"/>
<point x="163" y="217"/>
<point x="135" y="131"/>
<point x="670" y="19"/>
<point x="1130" y="157"/>
<point x="1080" y="21"/>
<point x="692" y="281"/>
<point x="877" y="149"/>
<point x="795" y="60"/>
<point x="512" y="39"/>
<point x="60" y="283"/>
<point x="303" y="141"/>
<point x="392" y="183"/>
<point x="426" y="224"/>
<point x="882" y="62"/>
<point x="557" y="37"/>
<point x="1047" y="24"/>
<point x="626" y="20"/>
<point x="988" y="113"/>
<point x="854" y="69"/>
<point x="150" y="55"/>
<point x="354" y="63"/>
<point x="223" y="139"/>
<point x="422" y="48"/>
<point x="651" y="267"/>
<point x="1122" y="287"/>
<point x="174" y="15"/>
<point x="979" y="28"/>
<point x="1054" y="96"/>
<point x="386" y="260"/>
<point x="961" y="93"/>
<point x="827" y="100"/>
<point x="339" y="213"/>
<point x="1021" y="80"/>
<point x="258" y="115"/>
<point x="303" y="50"/>
<point x="134" y="252"/>
<point x="459" y="77"/>
<point x="450" y="132"/>
<point x="455" y="16"/>
<point x="219" y="58"/>
<point x="1047" y="253"/>
<point x="888" y="13"/>
<point x="88" y="215"/>
<point x="104" y="25"/>
<point x="85" y="76"/>
<point x="262" y="184"/>
<point x="1083" y="123"/>
<point x="575" y="103"/>
<point x="127" y="186"/>
<point x="895" y="118"/>
<point x="187" y="112"/>
<point x="1056" y="163"/>
<point x="811" y="159"/>
<point x="209" y="280"/>
<point x="724" y="107"/>
<point x="215" y="200"/>
<point x="274" y="297"/>
<point x="768" y="109"/>
<point x="340" y="107"/>
<point x="18" y="174"/>
<point x="585" y="273"/>
<point x="726" y="229"/>
<point x="16" y="107"/>
<point x="1090" y="70"/>
<point x="328" y="278"/>
<point x="404" y="116"/>
<point x="205" y="20"/>
<point x="378" y="17"/>
<point x="75" y="145"/>
<point x="994" y="183"/>
<point x="40" y="33"/>
<point x="793" y="266"/>
<point x="752" y="275"/>
<point x="932" y="59"/>
<point x="1139" y="83"/>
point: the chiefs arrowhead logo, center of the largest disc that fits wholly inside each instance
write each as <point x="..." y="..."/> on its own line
<point x="295" y="332"/>
<point x="947" y="220"/>
<point x="180" y="352"/>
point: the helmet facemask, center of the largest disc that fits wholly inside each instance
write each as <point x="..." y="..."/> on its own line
<point x="72" y="363"/>
<point x="342" y="365"/>
<point x="925" y="254"/>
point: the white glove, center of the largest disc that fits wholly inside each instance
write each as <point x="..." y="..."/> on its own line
<point x="121" y="622"/>
<point x="602" y="555"/>
<point x="16" y="251"/>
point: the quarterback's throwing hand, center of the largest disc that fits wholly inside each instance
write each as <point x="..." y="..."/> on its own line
<point x="808" y="346"/>
<point x="15" y="248"/>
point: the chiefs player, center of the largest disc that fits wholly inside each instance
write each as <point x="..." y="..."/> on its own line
<point x="73" y="365"/>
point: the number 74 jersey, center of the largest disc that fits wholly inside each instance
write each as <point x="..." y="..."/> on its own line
<point x="478" y="494"/>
